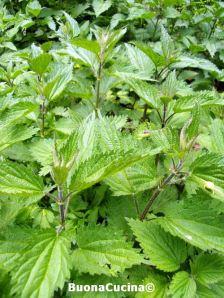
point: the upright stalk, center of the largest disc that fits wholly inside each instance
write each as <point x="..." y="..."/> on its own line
<point x="61" y="206"/>
<point x="160" y="188"/>
<point x="212" y="28"/>
<point x="42" y="108"/>
<point x="164" y="115"/>
<point x="144" y="117"/>
<point x="67" y="201"/>
<point x="155" y="27"/>
<point x="136" y="205"/>
<point x="98" y="80"/>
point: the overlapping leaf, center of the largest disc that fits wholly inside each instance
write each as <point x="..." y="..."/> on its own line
<point x="103" y="251"/>
<point x="196" y="222"/>
<point x="42" y="266"/>
<point x="207" y="173"/>
<point x="164" y="251"/>
<point x="139" y="177"/>
<point x="16" y="179"/>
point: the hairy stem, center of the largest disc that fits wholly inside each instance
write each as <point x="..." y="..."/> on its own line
<point x="67" y="205"/>
<point x="159" y="189"/>
<point x="164" y="115"/>
<point x="42" y="108"/>
<point x="155" y="27"/>
<point x="159" y="115"/>
<point x="144" y="116"/>
<point x="136" y="205"/>
<point x="212" y="28"/>
<point x="61" y="206"/>
<point x="166" y="121"/>
<point x="163" y="69"/>
<point x="98" y="80"/>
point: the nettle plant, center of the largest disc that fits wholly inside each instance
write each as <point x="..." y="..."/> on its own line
<point x="112" y="165"/>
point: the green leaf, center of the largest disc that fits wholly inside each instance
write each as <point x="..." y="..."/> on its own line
<point x="100" y="6"/>
<point x="182" y="285"/>
<point x="69" y="149"/>
<point x="15" y="133"/>
<point x="40" y="63"/>
<point x="145" y="91"/>
<point x="101" y="250"/>
<point x="42" y="218"/>
<point x="208" y="268"/>
<point x="64" y="158"/>
<point x="160" y="283"/>
<point x="157" y="59"/>
<point x="217" y="289"/>
<point x="57" y="82"/>
<point x="141" y="62"/>
<point x="89" y="45"/>
<point x="43" y="267"/>
<point x="167" y="138"/>
<point x="16" y="179"/>
<point x="125" y="207"/>
<point x="98" y="167"/>
<point x="87" y="138"/>
<point x="168" y="195"/>
<point x="18" y="152"/>
<point x="9" y="209"/>
<point x="42" y="152"/>
<point x="210" y="291"/>
<point x="216" y="141"/>
<point x="189" y="132"/>
<point x="33" y="8"/>
<point x="166" y="43"/>
<point x="107" y="133"/>
<point x="140" y="13"/>
<point x="196" y="222"/>
<point x="192" y="129"/>
<point x="8" y="45"/>
<point x="164" y="251"/>
<point x="5" y="283"/>
<point x="87" y="57"/>
<point x="207" y="171"/>
<point x="13" y="243"/>
<point x="200" y="98"/>
<point x="134" y="179"/>
<point x="170" y="86"/>
<point x="107" y="39"/>
<point x="195" y="62"/>
<point x="16" y="112"/>
<point x="72" y="25"/>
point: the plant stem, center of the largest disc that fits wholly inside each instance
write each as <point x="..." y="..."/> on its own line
<point x="144" y="117"/>
<point x="61" y="206"/>
<point x="164" y="115"/>
<point x="155" y="27"/>
<point x="98" y="80"/>
<point x="136" y="205"/>
<point x="163" y="69"/>
<point x="159" y="115"/>
<point x="212" y="28"/>
<point x="159" y="189"/>
<point x="42" y="108"/>
<point x="169" y="118"/>
<point x="67" y="205"/>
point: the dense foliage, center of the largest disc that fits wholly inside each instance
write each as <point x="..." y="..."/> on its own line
<point x="112" y="147"/>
